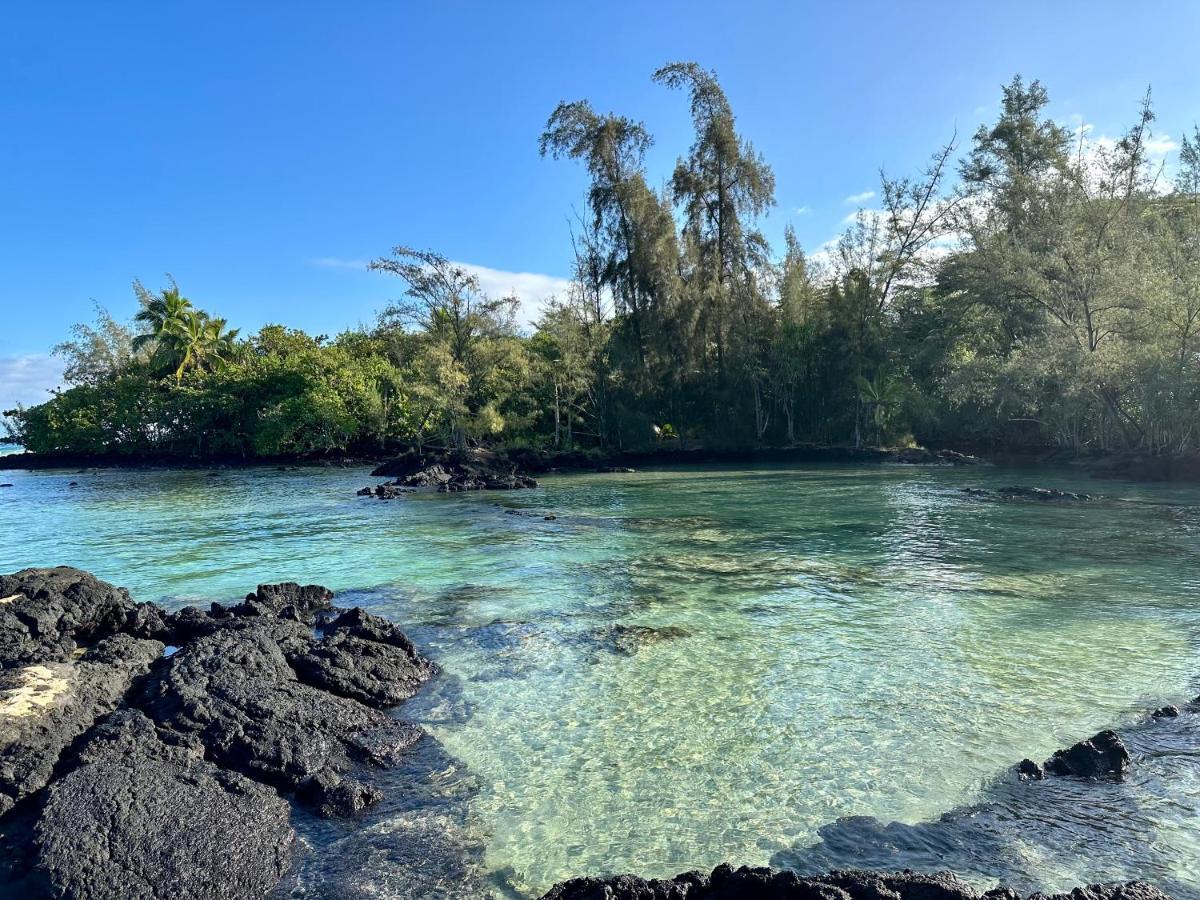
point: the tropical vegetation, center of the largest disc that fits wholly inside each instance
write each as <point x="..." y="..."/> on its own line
<point x="1043" y="289"/>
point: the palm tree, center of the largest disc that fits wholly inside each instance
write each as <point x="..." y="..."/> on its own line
<point x="220" y="344"/>
<point x="202" y="342"/>
<point x="181" y="336"/>
<point x="163" y="316"/>
<point x="882" y="394"/>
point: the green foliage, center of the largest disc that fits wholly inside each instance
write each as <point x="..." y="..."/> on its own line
<point x="1052" y="296"/>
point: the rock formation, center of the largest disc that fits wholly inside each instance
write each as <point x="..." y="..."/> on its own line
<point x="129" y="773"/>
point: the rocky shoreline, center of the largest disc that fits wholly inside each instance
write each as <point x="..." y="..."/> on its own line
<point x="155" y="754"/>
<point x="728" y="883"/>
<point x="526" y="461"/>
<point x="470" y="470"/>
<point x="476" y="470"/>
<point x="1126" y="465"/>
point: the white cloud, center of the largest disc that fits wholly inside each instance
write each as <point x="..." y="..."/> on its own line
<point x="802" y="210"/>
<point x="335" y="262"/>
<point x="1093" y="149"/>
<point x="854" y="199"/>
<point x="28" y="379"/>
<point x="533" y="289"/>
<point x="1160" y="145"/>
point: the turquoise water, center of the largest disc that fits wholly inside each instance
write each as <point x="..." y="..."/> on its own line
<point x="814" y="644"/>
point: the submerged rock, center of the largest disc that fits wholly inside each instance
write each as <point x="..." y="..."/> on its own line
<point x="727" y="883"/>
<point x="626" y="640"/>
<point x="1038" y="494"/>
<point x="1100" y="756"/>
<point x="386" y="491"/>
<point x="335" y="797"/>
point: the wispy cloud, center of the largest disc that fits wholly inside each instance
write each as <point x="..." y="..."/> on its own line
<point x="1093" y="149"/>
<point x="28" y="379"/>
<point x="533" y="289"/>
<point x="801" y="210"/>
<point x="1160" y="145"/>
<point x="855" y="199"/>
<point x="336" y="262"/>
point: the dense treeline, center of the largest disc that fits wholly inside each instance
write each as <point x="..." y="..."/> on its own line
<point x="1043" y="289"/>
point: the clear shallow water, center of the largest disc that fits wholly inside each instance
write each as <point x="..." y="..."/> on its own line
<point x="838" y="642"/>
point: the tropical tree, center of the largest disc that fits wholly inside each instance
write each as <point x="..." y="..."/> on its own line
<point x="881" y="395"/>
<point x="162" y="318"/>
<point x="465" y="333"/>
<point x="202" y="342"/>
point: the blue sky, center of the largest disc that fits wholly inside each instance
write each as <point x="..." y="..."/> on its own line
<point x="263" y="152"/>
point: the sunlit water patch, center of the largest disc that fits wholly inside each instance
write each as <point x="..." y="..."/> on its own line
<point x="689" y="667"/>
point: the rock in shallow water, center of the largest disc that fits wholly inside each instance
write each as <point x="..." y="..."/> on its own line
<point x="365" y="658"/>
<point x="1101" y="756"/>
<point x="727" y="883"/>
<point x="1037" y="494"/>
<point x="235" y="692"/>
<point x="627" y="640"/>
<point x="470" y="470"/>
<point x="175" y="794"/>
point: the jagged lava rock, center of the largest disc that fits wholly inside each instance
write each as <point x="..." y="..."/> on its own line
<point x="46" y="613"/>
<point x="365" y="658"/>
<point x="141" y="820"/>
<point x="1101" y="756"/>
<point x="727" y="883"/>
<point x="235" y="692"/>
<point x="46" y="706"/>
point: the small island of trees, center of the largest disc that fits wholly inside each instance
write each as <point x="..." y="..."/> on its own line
<point x="1043" y="289"/>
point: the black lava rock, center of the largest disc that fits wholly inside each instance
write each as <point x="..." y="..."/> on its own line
<point x="727" y="883"/>
<point x="365" y="658"/>
<point x="139" y="820"/>
<point x="1101" y="756"/>
<point x="1030" y="770"/>
<point x="46" y="706"/>
<point x="45" y="614"/>
<point x="235" y="692"/>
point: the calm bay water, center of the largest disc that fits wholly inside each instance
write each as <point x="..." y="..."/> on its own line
<point x="689" y="667"/>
